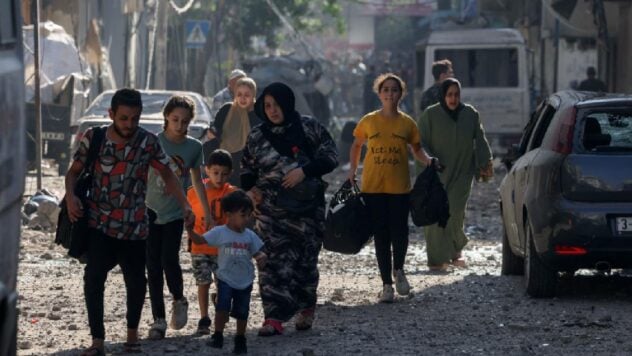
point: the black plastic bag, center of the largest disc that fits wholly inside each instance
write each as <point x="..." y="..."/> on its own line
<point x="347" y="224"/>
<point x="429" y="200"/>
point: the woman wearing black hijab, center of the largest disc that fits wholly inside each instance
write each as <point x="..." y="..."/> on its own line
<point x="284" y="152"/>
<point x="453" y="132"/>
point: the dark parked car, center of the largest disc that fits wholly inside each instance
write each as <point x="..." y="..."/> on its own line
<point x="566" y="200"/>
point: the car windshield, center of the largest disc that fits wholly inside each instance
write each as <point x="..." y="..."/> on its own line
<point x="608" y="131"/>
<point x="152" y="104"/>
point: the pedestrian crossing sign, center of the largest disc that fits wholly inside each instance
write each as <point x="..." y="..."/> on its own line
<point x="196" y="32"/>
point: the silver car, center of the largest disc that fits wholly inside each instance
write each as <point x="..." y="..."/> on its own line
<point x="153" y="102"/>
<point x="154" y="126"/>
<point x="566" y="200"/>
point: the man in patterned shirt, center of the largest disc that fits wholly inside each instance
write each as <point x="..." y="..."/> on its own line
<point x="117" y="215"/>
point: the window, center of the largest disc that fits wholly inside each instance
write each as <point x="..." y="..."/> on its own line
<point x="541" y="127"/>
<point x="607" y="131"/>
<point x="483" y="68"/>
<point x="8" y="33"/>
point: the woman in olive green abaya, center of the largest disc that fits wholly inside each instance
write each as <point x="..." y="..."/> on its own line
<point x="452" y="131"/>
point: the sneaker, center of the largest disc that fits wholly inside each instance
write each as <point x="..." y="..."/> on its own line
<point x="387" y="295"/>
<point x="240" y="345"/>
<point x="158" y="329"/>
<point x="179" y="312"/>
<point x="401" y="283"/>
<point x="204" y="326"/>
<point x="217" y="340"/>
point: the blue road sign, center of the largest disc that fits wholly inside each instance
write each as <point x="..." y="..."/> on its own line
<point x="196" y="32"/>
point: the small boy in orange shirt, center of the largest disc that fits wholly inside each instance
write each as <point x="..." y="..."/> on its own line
<point x="218" y="167"/>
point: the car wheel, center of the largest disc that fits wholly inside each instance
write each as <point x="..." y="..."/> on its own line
<point x="512" y="264"/>
<point x="540" y="279"/>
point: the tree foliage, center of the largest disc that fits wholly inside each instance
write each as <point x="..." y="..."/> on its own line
<point x="240" y="20"/>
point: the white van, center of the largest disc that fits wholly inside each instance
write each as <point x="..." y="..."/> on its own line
<point x="491" y="65"/>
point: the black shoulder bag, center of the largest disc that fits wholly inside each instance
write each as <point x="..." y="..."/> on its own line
<point x="74" y="236"/>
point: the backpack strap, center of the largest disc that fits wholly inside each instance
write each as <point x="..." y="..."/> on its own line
<point x="98" y="134"/>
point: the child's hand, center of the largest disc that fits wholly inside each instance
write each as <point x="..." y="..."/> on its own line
<point x="261" y="259"/>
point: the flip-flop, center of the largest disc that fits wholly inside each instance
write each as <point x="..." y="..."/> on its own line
<point x="132" y="348"/>
<point x="304" y="320"/>
<point x="93" y="351"/>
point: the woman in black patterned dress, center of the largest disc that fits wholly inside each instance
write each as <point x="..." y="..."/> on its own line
<point x="283" y="151"/>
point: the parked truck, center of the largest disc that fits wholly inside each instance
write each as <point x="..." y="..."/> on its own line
<point x="12" y="166"/>
<point x="492" y="66"/>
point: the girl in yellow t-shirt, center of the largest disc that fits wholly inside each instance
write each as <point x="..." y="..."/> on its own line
<point x="388" y="133"/>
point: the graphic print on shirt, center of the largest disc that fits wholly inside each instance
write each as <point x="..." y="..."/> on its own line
<point x="388" y="151"/>
<point x="216" y="209"/>
<point x="236" y="249"/>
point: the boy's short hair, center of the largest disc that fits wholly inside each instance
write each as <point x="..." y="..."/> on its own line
<point x="441" y="67"/>
<point x="237" y="201"/>
<point x="126" y="97"/>
<point x="219" y="157"/>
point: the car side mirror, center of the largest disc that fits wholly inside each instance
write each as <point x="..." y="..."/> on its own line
<point x="511" y="156"/>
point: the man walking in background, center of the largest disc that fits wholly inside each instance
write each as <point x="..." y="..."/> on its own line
<point x="592" y="83"/>
<point x="227" y="94"/>
<point x="441" y="70"/>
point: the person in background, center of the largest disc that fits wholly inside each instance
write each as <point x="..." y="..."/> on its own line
<point x="218" y="166"/>
<point x="441" y="70"/>
<point x="286" y="150"/>
<point x="117" y="212"/>
<point x="237" y="245"/>
<point x="592" y="83"/>
<point x="234" y="121"/>
<point x="453" y="132"/>
<point x="388" y="133"/>
<point x="166" y="216"/>
<point x="227" y="94"/>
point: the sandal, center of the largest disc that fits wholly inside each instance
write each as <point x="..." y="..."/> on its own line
<point x="270" y="328"/>
<point x="93" y="351"/>
<point x="458" y="262"/>
<point x="304" y="319"/>
<point x="132" y="348"/>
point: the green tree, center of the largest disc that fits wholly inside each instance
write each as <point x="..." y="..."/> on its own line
<point x="234" y="23"/>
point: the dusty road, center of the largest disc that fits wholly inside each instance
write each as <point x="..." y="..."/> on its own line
<point x="471" y="311"/>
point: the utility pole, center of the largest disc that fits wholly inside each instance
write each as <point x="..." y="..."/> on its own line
<point x="36" y="90"/>
<point x="160" y="78"/>
<point x="132" y="49"/>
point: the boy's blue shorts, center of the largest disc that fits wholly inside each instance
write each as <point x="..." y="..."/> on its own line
<point x="235" y="301"/>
